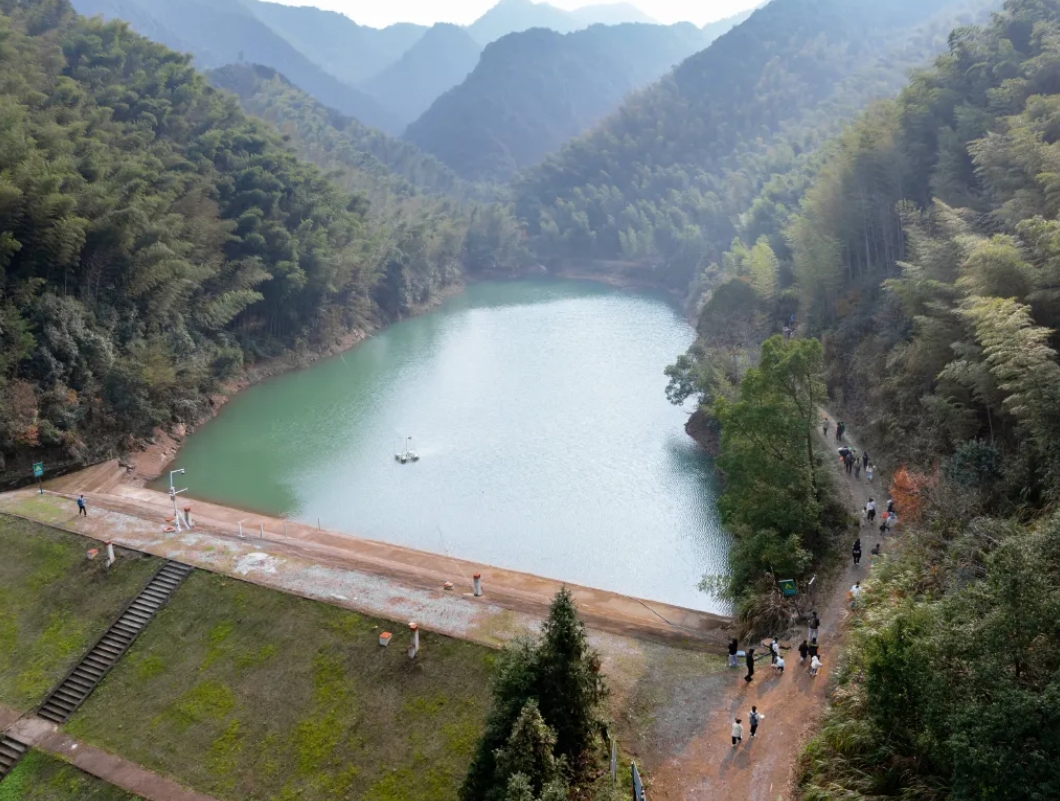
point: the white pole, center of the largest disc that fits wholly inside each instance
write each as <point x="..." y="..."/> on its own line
<point x="241" y="529"/>
<point x="415" y="647"/>
<point x="478" y="584"/>
<point x="261" y="531"/>
<point x="110" y="553"/>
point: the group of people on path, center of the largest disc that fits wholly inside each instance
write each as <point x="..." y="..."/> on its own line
<point x="809" y="652"/>
<point x="854" y="464"/>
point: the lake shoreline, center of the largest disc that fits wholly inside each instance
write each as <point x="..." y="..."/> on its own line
<point x="147" y="459"/>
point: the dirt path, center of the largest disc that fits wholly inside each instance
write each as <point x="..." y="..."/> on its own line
<point x="762" y="769"/>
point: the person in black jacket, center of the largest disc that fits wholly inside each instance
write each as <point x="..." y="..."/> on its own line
<point x="734" y="646"/>
<point x="750" y="665"/>
<point x="856" y="552"/>
<point x="804" y="649"/>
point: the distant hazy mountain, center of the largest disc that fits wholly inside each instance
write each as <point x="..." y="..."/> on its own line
<point x="441" y="59"/>
<point x="534" y="90"/>
<point x="513" y="16"/>
<point x="610" y="14"/>
<point x="722" y="26"/>
<point x="219" y="32"/>
<point x="334" y="42"/>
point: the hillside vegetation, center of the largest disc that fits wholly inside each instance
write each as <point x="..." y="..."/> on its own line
<point x="533" y="91"/>
<point x="152" y="238"/>
<point x="664" y="179"/>
<point x="922" y="257"/>
<point x="219" y="32"/>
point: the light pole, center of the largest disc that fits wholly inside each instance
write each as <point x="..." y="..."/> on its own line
<point x="173" y="493"/>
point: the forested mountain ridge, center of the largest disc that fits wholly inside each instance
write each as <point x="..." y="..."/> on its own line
<point x="386" y="167"/>
<point x="664" y="179"/>
<point x="153" y="237"/>
<point x="515" y="16"/>
<point x="440" y="60"/>
<point x="219" y="32"/>
<point x="533" y="91"/>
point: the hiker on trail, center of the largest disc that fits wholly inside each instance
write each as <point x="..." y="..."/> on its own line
<point x="875" y="549"/>
<point x="815" y="624"/>
<point x="890" y="505"/>
<point x="857" y="469"/>
<point x="814" y="649"/>
<point x="754" y="719"/>
<point x="868" y="472"/>
<point x="815" y="665"/>
<point x="750" y="665"/>
<point x="870" y="510"/>
<point x="774" y="651"/>
<point x="779" y="665"/>
<point x="734" y="646"/>
<point x="840" y="429"/>
<point x="81" y="510"/>
<point x="825" y="426"/>
<point x="804" y="649"/>
<point x="737" y="732"/>
<point x="848" y="460"/>
<point x="856" y="552"/>
<point x="865" y="459"/>
<point x="855" y="591"/>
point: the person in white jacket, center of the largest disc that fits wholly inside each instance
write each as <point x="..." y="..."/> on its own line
<point x="737" y="732"/>
<point x="815" y="665"/>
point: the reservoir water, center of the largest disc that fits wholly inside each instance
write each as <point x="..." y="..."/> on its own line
<point x="547" y="444"/>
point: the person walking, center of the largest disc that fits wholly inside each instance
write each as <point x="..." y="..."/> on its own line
<point x="840" y="429"/>
<point x="868" y="472"/>
<point x="737" y="732"/>
<point x="875" y="549"/>
<point x="815" y="624"/>
<point x="856" y="552"/>
<point x="825" y="425"/>
<point x="865" y="459"/>
<point x="754" y="719"/>
<point x="774" y="651"/>
<point x="804" y="649"/>
<point x="734" y="646"/>
<point x="81" y="509"/>
<point x="870" y="510"/>
<point x="815" y="665"/>
<point x="814" y="649"/>
<point x="778" y="666"/>
<point x="857" y="469"/>
<point x="855" y="591"/>
<point x="750" y="666"/>
<point x="848" y="460"/>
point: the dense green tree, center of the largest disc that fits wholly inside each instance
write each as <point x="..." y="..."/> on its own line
<point x="544" y="717"/>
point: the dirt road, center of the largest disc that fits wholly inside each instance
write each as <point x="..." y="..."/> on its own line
<point x="762" y="769"/>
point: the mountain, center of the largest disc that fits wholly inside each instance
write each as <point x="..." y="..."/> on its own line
<point x="611" y="14"/>
<point x="514" y="16"/>
<point x="534" y="90"/>
<point x="722" y="26"/>
<point x="218" y="32"/>
<point x="441" y="59"/>
<point x="662" y="181"/>
<point x="375" y="164"/>
<point x="350" y="52"/>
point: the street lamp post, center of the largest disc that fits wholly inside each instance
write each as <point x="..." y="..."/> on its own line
<point x="173" y="493"/>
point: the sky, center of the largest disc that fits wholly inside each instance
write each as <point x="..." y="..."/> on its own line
<point x="463" y="12"/>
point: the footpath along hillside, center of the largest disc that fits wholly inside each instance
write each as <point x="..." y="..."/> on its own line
<point x="763" y="769"/>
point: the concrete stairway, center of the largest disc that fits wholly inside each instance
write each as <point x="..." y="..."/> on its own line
<point x="89" y="672"/>
<point x="11" y="752"/>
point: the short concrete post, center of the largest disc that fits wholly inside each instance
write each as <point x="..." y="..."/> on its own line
<point x="187" y="516"/>
<point x="285" y="529"/>
<point x="478" y="585"/>
<point x="261" y="531"/>
<point x="415" y="647"/>
<point x="110" y="553"/>
<point x="241" y="529"/>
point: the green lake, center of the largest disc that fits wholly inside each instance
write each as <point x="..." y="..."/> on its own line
<point x="546" y="442"/>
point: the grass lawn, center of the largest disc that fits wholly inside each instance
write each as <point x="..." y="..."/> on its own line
<point x="39" y="777"/>
<point x="245" y="693"/>
<point x="54" y="602"/>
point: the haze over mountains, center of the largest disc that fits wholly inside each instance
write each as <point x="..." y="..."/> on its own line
<point x="534" y="90"/>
